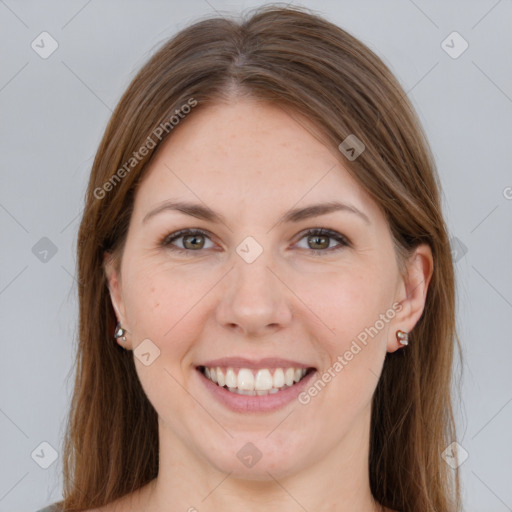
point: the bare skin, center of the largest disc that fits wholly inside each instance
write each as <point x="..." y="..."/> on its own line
<point x="252" y="162"/>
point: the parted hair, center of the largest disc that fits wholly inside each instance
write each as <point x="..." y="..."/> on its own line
<point x="300" y="61"/>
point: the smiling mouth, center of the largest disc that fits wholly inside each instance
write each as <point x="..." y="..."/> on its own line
<point x="260" y="382"/>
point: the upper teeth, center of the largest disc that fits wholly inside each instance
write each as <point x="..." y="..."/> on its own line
<point x="245" y="379"/>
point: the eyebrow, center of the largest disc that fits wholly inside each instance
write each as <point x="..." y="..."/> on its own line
<point x="295" y="215"/>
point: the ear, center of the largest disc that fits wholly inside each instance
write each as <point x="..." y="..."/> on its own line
<point x="412" y="293"/>
<point x="113" y="276"/>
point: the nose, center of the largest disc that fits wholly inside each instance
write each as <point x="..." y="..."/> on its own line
<point x="254" y="300"/>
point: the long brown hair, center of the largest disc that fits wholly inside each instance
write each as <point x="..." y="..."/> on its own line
<point x="298" y="60"/>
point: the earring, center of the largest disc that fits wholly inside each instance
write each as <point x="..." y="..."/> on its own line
<point x="120" y="332"/>
<point x="402" y="337"/>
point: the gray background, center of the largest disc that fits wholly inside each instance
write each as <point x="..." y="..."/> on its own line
<point x="54" y="111"/>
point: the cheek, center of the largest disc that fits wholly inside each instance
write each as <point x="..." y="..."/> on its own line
<point x="163" y="303"/>
<point x="160" y="307"/>
<point x="357" y="306"/>
<point x="351" y="303"/>
<point x="346" y="302"/>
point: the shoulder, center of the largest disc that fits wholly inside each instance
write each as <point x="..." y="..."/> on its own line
<point x="136" y="500"/>
<point x="55" y="508"/>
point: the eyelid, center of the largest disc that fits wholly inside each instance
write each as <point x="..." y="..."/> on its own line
<point x="167" y="239"/>
<point x="342" y="240"/>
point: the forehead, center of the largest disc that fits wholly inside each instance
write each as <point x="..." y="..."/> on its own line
<point x="247" y="153"/>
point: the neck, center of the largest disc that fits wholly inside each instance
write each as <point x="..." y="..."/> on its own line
<point x="338" y="481"/>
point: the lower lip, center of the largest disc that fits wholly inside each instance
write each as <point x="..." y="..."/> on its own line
<point x="265" y="403"/>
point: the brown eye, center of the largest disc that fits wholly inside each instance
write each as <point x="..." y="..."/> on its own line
<point x="318" y="242"/>
<point x="187" y="241"/>
<point x="193" y="242"/>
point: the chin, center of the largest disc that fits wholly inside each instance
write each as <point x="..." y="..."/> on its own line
<point x="254" y="457"/>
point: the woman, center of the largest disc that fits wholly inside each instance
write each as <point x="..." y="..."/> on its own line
<point x="263" y="238"/>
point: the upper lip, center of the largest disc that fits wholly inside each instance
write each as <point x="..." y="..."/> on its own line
<point x="268" y="362"/>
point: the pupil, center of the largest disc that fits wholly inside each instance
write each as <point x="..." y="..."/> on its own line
<point x="324" y="238"/>
<point x="194" y="239"/>
<point x="191" y="241"/>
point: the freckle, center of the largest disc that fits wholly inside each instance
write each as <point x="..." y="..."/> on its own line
<point x="157" y="304"/>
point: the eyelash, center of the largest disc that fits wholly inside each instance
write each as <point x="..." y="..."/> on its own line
<point x="344" y="242"/>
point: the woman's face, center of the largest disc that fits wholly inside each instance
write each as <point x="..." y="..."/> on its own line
<point x="255" y="297"/>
